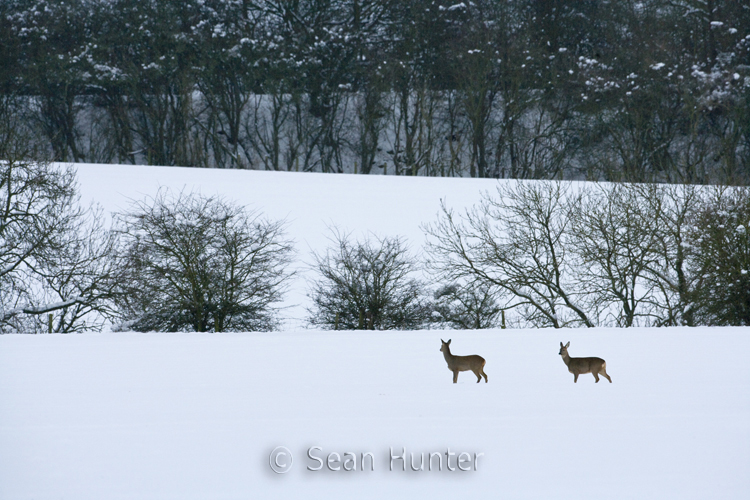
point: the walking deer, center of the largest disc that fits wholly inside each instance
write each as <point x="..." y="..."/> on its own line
<point x="463" y="363"/>
<point x="576" y="366"/>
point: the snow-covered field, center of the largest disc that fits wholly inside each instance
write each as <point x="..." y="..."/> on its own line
<point x="196" y="416"/>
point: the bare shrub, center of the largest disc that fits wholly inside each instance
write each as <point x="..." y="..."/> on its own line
<point x="367" y="285"/>
<point x="467" y="307"/>
<point x="196" y="263"/>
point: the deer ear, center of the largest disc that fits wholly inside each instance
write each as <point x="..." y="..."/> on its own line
<point x="567" y="345"/>
<point x="561" y="344"/>
<point x="449" y="341"/>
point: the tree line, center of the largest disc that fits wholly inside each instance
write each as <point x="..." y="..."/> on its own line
<point x="533" y="254"/>
<point x="648" y="90"/>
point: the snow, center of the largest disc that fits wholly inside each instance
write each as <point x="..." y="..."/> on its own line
<point x="453" y="7"/>
<point x="196" y="416"/>
<point x="49" y="307"/>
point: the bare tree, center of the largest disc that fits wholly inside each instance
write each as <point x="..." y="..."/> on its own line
<point x="413" y="143"/>
<point x="616" y="237"/>
<point x="196" y="263"/>
<point x="228" y="71"/>
<point x="266" y="130"/>
<point x="53" y="253"/>
<point x="370" y="123"/>
<point x="76" y="282"/>
<point x="518" y="242"/>
<point x="673" y="207"/>
<point x="367" y="285"/>
<point x="53" y="39"/>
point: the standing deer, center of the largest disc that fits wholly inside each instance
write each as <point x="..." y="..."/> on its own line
<point x="463" y="363"/>
<point x="576" y="366"/>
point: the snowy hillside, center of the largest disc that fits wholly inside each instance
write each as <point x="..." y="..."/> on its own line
<point x="197" y="416"/>
<point x="310" y="203"/>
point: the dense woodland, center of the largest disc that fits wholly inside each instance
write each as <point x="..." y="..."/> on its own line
<point x="652" y="90"/>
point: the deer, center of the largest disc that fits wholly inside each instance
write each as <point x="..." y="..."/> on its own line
<point x="463" y="363"/>
<point x="576" y="366"/>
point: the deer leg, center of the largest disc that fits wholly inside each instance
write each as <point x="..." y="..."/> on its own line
<point x="479" y="377"/>
<point x="455" y="376"/>
<point x="485" y="376"/>
<point x="596" y="376"/>
<point x="575" y="377"/>
<point x="604" y="373"/>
